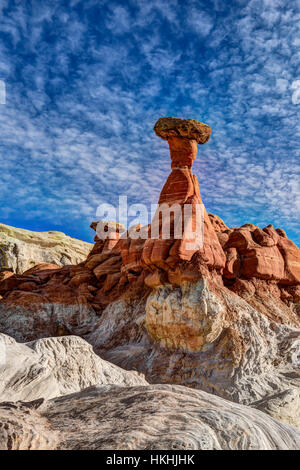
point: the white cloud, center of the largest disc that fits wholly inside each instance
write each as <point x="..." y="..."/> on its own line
<point x="200" y="21"/>
<point x="118" y="20"/>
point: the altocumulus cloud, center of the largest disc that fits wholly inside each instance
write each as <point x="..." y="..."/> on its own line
<point x="86" y="81"/>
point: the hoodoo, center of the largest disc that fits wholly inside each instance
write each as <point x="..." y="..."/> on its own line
<point x="182" y="189"/>
<point x="222" y="317"/>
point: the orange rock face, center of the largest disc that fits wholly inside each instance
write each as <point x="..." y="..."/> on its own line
<point x="40" y="267"/>
<point x="291" y="256"/>
<point x="262" y="254"/>
<point x="183" y="151"/>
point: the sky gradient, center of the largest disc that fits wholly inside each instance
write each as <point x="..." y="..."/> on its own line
<point x="87" y="80"/>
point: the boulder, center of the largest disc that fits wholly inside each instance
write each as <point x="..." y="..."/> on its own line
<point x="185" y="128"/>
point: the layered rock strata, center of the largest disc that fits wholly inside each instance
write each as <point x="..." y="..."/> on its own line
<point x="53" y="367"/>
<point x="153" y="417"/>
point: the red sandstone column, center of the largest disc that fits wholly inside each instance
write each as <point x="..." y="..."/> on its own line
<point x="164" y="257"/>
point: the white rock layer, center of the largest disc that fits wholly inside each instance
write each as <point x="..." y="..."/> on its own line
<point x="52" y="367"/>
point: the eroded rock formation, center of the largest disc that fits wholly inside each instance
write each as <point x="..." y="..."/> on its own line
<point x="165" y="258"/>
<point x="56" y="393"/>
<point x="224" y="318"/>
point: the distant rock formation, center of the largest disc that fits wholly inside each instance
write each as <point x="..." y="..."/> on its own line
<point x="23" y="249"/>
<point x="224" y="318"/>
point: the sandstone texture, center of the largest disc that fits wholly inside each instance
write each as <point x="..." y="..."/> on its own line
<point x="141" y="417"/>
<point x="24" y="249"/>
<point x="52" y="367"/>
<point x="221" y="316"/>
<point x="284" y="406"/>
<point x="56" y="393"/>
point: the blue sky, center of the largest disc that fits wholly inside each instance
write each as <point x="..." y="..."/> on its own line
<point x="87" y="80"/>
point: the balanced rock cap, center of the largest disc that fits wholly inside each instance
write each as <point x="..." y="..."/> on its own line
<point x="188" y="128"/>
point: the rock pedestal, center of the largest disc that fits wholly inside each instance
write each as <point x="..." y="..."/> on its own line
<point x="182" y="189"/>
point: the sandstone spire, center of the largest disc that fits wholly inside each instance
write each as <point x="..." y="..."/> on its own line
<point x="182" y="189"/>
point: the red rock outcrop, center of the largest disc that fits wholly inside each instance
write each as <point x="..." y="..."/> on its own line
<point x="262" y="254"/>
<point x="123" y="261"/>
